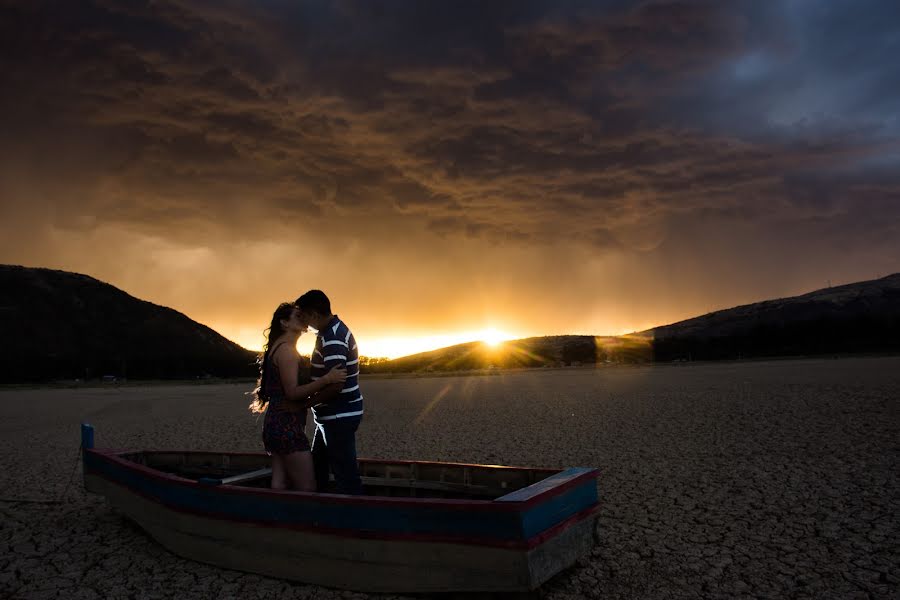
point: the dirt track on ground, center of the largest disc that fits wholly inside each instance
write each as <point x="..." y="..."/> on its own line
<point x="733" y="480"/>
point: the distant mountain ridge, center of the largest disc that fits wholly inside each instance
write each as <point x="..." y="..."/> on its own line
<point x="877" y="296"/>
<point x="524" y="353"/>
<point x="853" y="318"/>
<point x="62" y="325"/>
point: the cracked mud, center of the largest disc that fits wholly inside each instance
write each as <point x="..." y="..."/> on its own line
<point x="735" y="480"/>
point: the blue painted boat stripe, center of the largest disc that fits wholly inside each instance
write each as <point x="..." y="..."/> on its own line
<point x="545" y="515"/>
<point x="298" y="511"/>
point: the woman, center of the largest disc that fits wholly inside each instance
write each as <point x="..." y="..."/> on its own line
<point x="285" y="402"/>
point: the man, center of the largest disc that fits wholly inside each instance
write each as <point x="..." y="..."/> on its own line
<point x="340" y="408"/>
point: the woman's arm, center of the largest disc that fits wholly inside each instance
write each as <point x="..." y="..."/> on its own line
<point x="288" y="362"/>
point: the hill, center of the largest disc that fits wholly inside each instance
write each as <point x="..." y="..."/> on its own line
<point x="860" y="317"/>
<point x="549" y="351"/>
<point x="852" y="318"/>
<point x="60" y="325"/>
<point x="530" y="352"/>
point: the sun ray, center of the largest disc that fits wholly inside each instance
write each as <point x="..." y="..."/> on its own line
<point x="432" y="404"/>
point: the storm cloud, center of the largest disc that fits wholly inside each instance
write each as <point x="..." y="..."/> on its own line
<point x="619" y="164"/>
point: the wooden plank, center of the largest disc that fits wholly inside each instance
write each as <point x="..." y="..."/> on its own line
<point x="457" y="478"/>
<point x="236" y="479"/>
<point x="394" y="482"/>
<point x="561" y="551"/>
<point x="421" y="484"/>
<point x="545" y="485"/>
<point x="245" y="477"/>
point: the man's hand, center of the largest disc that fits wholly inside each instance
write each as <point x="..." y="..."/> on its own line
<point x="335" y="375"/>
<point x="335" y="378"/>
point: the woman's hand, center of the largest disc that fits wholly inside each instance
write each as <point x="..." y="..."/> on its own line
<point x="336" y="375"/>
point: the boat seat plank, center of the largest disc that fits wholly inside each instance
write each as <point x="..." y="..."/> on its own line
<point x="240" y="478"/>
<point x="396" y="482"/>
<point x="422" y="484"/>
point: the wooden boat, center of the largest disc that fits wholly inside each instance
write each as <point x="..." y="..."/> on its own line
<point x="422" y="527"/>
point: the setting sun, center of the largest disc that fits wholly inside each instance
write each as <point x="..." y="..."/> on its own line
<point x="493" y="337"/>
<point x="397" y="346"/>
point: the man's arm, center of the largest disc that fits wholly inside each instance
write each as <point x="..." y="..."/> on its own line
<point x="300" y="397"/>
<point x="334" y="355"/>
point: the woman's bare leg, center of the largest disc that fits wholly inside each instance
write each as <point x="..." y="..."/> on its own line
<point x="279" y="473"/>
<point x="300" y="471"/>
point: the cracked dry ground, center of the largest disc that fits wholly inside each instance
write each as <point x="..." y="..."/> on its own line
<point x="737" y="480"/>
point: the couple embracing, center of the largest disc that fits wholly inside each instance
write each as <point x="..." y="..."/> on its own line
<point x="331" y="390"/>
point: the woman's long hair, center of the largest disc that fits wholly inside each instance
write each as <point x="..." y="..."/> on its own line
<point x="275" y="330"/>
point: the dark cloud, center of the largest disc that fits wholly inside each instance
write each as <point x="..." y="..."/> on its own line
<point x="626" y="130"/>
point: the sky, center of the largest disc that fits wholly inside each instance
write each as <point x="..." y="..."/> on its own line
<point x="444" y="168"/>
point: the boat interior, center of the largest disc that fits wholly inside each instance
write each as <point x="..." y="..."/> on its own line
<point x="380" y="478"/>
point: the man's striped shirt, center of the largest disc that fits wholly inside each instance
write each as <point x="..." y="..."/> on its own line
<point x="336" y="347"/>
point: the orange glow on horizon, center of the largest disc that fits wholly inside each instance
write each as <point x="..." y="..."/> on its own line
<point x="392" y="347"/>
<point x="389" y="346"/>
<point x="397" y="346"/>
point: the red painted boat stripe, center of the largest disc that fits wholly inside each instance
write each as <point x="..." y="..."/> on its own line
<point x="528" y="544"/>
<point x="446" y="504"/>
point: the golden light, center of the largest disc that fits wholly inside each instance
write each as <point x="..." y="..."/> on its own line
<point x="250" y="338"/>
<point x="386" y="346"/>
<point x="493" y="337"/>
<point x="395" y="347"/>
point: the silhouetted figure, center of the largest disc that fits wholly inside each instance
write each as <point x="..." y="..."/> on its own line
<point x="339" y="413"/>
<point x="286" y="402"/>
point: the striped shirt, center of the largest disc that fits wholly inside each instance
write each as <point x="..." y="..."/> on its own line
<point x="336" y="347"/>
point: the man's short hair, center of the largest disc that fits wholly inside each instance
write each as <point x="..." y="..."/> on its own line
<point x="314" y="301"/>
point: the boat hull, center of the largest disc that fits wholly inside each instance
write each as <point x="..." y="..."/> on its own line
<point x="512" y="543"/>
<point x="375" y="565"/>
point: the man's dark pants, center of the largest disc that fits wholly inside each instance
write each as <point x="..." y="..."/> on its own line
<point x="334" y="450"/>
